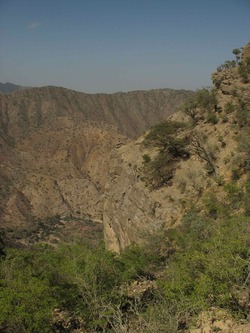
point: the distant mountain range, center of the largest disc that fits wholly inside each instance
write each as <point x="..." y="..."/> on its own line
<point x="8" y="87"/>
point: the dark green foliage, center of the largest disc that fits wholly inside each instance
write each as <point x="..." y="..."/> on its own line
<point x="160" y="171"/>
<point x="212" y="118"/>
<point x="214" y="208"/>
<point x="136" y="262"/>
<point x="237" y="53"/>
<point x="146" y="158"/>
<point x="235" y="174"/>
<point x="164" y="136"/>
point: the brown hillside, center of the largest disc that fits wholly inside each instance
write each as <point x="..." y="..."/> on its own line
<point x="132" y="112"/>
<point x="54" y="154"/>
<point x="132" y="208"/>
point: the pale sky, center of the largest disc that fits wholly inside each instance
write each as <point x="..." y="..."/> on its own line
<point x="119" y="45"/>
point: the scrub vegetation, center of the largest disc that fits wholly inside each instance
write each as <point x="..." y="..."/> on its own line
<point x="201" y="264"/>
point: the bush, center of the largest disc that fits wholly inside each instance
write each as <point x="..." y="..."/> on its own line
<point x="164" y="136"/>
<point x="85" y="282"/>
<point x="146" y="158"/>
<point x="229" y="107"/>
<point x="27" y="295"/>
<point x="205" y="274"/>
<point x="212" y="118"/>
<point x="160" y="171"/>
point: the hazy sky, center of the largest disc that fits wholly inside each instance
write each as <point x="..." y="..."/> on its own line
<point x="119" y="45"/>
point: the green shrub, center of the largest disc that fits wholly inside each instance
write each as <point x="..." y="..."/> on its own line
<point x="212" y="118"/>
<point x="235" y="174"/>
<point x="206" y="99"/>
<point x="146" y="158"/>
<point x="164" y="136"/>
<point x="160" y="171"/>
<point x="83" y="281"/>
<point x="27" y="295"/>
<point x="205" y="274"/>
<point x="229" y="107"/>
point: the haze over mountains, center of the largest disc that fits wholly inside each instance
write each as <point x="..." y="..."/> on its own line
<point x="8" y="87"/>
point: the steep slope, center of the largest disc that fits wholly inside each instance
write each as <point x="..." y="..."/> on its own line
<point x="55" y="146"/>
<point x="187" y="178"/>
<point x="132" y="208"/>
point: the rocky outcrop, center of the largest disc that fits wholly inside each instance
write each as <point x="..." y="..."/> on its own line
<point x="55" y="149"/>
<point x="132" y="211"/>
<point x="217" y="320"/>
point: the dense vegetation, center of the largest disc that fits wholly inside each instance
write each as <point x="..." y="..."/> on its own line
<point x="203" y="263"/>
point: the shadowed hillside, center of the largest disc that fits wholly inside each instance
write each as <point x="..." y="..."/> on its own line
<point x="8" y="87"/>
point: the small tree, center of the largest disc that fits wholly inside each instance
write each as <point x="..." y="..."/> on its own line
<point x="164" y="136"/>
<point x="237" y="53"/>
<point x="160" y="171"/>
<point x="204" y="152"/>
<point x="191" y="109"/>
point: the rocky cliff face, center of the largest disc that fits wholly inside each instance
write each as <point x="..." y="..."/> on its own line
<point x="55" y="149"/>
<point x="132" y="210"/>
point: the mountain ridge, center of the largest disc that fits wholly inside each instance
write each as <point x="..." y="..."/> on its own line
<point x="56" y="142"/>
<point x="145" y="107"/>
<point x="8" y="87"/>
